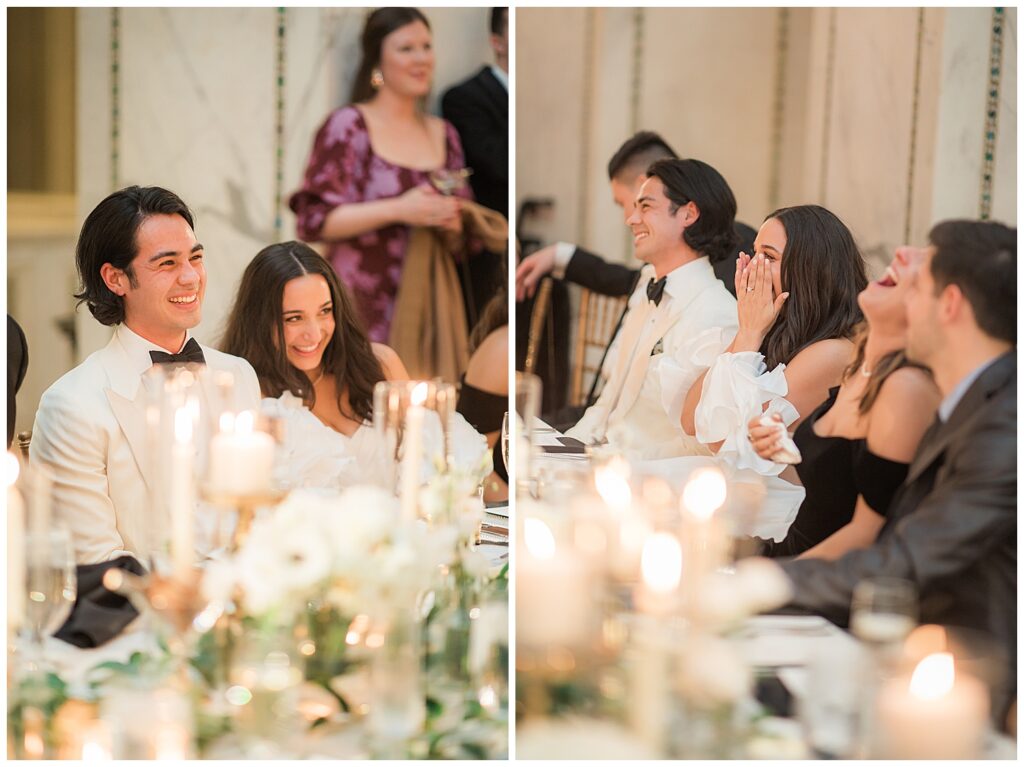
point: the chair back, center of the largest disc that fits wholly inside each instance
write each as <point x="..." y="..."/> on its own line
<point x="24" y="439"/>
<point x="598" y="316"/>
<point x="538" y="315"/>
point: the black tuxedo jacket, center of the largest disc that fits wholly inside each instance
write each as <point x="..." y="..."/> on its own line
<point x="478" y="108"/>
<point x="951" y="529"/>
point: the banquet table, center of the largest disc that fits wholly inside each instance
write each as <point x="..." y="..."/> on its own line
<point x="84" y="676"/>
<point x="803" y="652"/>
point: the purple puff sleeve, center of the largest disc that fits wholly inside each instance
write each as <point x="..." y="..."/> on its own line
<point x="336" y="173"/>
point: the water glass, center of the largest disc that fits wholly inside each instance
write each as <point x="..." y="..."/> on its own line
<point x="883" y="611"/>
<point x="51" y="586"/>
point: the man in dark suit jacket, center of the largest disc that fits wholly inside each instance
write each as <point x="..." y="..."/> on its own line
<point x="478" y="108"/>
<point x="952" y="527"/>
<point x="627" y="171"/>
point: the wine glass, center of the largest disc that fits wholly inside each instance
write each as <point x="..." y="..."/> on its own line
<point x="448" y="181"/>
<point x="50" y="584"/>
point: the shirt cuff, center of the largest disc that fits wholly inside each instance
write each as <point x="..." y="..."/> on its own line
<point x="563" y="255"/>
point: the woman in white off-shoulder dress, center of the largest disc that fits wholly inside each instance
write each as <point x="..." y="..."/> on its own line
<point x="297" y="325"/>
<point x="797" y="307"/>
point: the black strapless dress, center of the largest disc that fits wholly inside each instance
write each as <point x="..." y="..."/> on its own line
<point x="484" y="411"/>
<point x="834" y="471"/>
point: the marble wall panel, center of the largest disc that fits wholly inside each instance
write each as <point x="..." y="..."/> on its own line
<point x="866" y="181"/>
<point x="550" y="61"/>
<point x="708" y="87"/>
<point x="198" y="115"/>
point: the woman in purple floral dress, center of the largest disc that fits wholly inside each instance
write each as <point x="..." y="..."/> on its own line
<point x="367" y="180"/>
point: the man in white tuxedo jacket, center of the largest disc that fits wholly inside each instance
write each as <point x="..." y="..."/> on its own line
<point x="683" y="213"/>
<point x="142" y="272"/>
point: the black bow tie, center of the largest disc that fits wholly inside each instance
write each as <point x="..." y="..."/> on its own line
<point x="655" y="290"/>
<point x="191" y="353"/>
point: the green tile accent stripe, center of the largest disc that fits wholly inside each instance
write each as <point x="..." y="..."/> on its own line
<point x="778" y="108"/>
<point x="995" y="66"/>
<point x="830" y="73"/>
<point x="115" y="98"/>
<point x="913" y="124"/>
<point x="279" y="115"/>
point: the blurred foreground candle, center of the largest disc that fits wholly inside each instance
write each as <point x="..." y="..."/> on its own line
<point x="936" y="714"/>
<point x="661" y="566"/>
<point x="241" y="457"/>
<point x="15" y="548"/>
<point x="412" y="451"/>
<point x="182" y="497"/>
<point x="553" y="601"/>
<point x="706" y="537"/>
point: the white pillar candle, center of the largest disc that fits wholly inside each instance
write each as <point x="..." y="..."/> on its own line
<point x="182" y="496"/>
<point x="241" y="458"/>
<point x="553" y="601"/>
<point x="15" y="548"/>
<point x="412" y="452"/>
<point x="936" y="714"/>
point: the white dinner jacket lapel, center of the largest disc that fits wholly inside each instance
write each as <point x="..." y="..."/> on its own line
<point x="631" y="332"/>
<point x="641" y="361"/>
<point x="127" y="398"/>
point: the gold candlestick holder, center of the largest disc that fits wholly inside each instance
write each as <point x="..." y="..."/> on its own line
<point x="245" y="504"/>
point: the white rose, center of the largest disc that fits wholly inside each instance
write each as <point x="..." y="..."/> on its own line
<point x="712" y="673"/>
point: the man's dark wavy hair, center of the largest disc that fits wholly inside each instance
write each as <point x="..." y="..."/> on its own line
<point x="713" y="234"/>
<point x="980" y="258"/>
<point x="109" y="236"/>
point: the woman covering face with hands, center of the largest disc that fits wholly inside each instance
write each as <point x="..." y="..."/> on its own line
<point x="796" y="300"/>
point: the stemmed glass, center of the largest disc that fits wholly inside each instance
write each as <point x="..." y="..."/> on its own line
<point x="51" y="587"/>
<point x="448" y="181"/>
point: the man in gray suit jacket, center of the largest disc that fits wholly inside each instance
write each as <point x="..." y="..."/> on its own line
<point x="142" y="272"/>
<point x="952" y="527"/>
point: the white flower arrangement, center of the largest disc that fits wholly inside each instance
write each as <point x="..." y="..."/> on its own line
<point x="350" y="548"/>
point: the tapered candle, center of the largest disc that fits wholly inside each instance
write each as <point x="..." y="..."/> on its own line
<point x="182" y="498"/>
<point x="412" y="452"/>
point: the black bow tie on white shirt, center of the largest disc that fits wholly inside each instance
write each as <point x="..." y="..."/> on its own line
<point x="190" y="353"/>
<point x="655" y="290"/>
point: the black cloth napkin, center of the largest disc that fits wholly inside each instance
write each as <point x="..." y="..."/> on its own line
<point x="99" y="614"/>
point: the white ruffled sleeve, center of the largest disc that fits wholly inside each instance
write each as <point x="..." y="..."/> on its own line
<point x="313" y="455"/>
<point x="735" y="389"/>
<point x="677" y="372"/>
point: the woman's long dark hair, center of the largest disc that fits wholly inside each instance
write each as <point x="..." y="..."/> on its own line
<point x="255" y="331"/>
<point x="379" y="24"/>
<point x="823" y="271"/>
<point x="884" y="367"/>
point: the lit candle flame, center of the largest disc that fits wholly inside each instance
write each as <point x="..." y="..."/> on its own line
<point x="933" y="677"/>
<point x="182" y="425"/>
<point x="13" y="469"/>
<point x="704" y="493"/>
<point x="227" y="422"/>
<point x="244" y="422"/>
<point x="419" y="394"/>
<point x="613" y="487"/>
<point x="662" y="563"/>
<point x="539" y="539"/>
